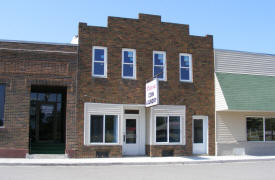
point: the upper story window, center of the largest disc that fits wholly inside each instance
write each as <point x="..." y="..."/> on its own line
<point x="129" y="63"/>
<point x="159" y="65"/>
<point x="2" y="103"/>
<point x="186" y="74"/>
<point x="99" y="64"/>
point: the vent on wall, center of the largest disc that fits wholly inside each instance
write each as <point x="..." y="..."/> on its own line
<point x="131" y="111"/>
<point x="102" y="154"/>
<point x="167" y="153"/>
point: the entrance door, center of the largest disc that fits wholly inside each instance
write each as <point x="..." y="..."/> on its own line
<point x="200" y="135"/>
<point x="47" y="123"/>
<point x="131" y="135"/>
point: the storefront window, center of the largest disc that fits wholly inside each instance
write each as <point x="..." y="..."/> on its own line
<point x="254" y="127"/>
<point x="168" y="129"/>
<point x="103" y="129"/>
<point x="270" y="129"/>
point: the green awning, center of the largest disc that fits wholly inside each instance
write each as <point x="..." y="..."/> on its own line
<point x="248" y="92"/>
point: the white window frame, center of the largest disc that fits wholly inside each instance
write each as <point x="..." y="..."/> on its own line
<point x="164" y="65"/>
<point x="168" y="120"/>
<point x="105" y="61"/>
<point x="264" y="118"/>
<point x="190" y="67"/>
<point x="134" y="63"/>
<point x="103" y="143"/>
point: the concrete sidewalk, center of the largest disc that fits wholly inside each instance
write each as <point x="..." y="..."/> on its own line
<point x="132" y="161"/>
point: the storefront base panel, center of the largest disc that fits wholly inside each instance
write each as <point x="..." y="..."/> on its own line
<point x="97" y="152"/>
<point x="13" y="153"/>
<point x="167" y="150"/>
<point x="246" y="148"/>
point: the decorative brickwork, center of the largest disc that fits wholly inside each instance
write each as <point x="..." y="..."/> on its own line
<point x="20" y="68"/>
<point x="147" y="34"/>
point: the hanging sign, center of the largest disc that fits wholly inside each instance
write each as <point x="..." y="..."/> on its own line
<point x="152" y="93"/>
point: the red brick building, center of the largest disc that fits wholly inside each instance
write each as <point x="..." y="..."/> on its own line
<point x="89" y="100"/>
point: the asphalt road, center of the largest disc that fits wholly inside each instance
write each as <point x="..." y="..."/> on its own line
<point x="219" y="171"/>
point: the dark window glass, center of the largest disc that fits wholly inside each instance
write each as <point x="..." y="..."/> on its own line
<point x="41" y="96"/>
<point x="198" y="130"/>
<point x="174" y="129"/>
<point x="2" y="103"/>
<point x="270" y="129"/>
<point x="96" y="129"/>
<point x="59" y="97"/>
<point x="130" y="131"/>
<point x="158" y="70"/>
<point x="110" y="129"/>
<point x="158" y="58"/>
<point x="184" y="61"/>
<point x="161" y="129"/>
<point x="254" y="126"/>
<point x="128" y="70"/>
<point x="184" y="74"/>
<point x="52" y="97"/>
<point x="98" y="68"/>
<point x="99" y="54"/>
<point x="33" y="96"/>
<point x="128" y="56"/>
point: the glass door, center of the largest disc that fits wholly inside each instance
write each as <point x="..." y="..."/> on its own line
<point x="131" y="136"/>
<point x="200" y="137"/>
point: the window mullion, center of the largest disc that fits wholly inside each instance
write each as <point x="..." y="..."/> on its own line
<point x="168" y="129"/>
<point x="104" y="129"/>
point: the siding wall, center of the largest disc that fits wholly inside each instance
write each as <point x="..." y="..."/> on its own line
<point x="227" y="61"/>
<point x="231" y="135"/>
<point x="219" y="97"/>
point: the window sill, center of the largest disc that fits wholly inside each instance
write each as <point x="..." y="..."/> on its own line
<point x="260" y="141"/>
<point x="129" y="78"/>
<point x="95" y="76"/>
<point x="102" y="144"/>
<point x="168" y="144"/>
<point x="182" y="81"/>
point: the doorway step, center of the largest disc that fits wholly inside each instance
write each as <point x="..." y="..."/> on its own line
<point x="46" y="156"/>
<point x="47" y="148"/>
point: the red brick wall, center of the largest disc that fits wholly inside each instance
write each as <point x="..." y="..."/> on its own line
<point x="146" y="34"/>
<point x="21" y="66"/>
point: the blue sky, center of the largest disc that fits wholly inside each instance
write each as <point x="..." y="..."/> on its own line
<point x="245" y="25"/>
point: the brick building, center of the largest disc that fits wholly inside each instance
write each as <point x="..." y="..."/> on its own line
<point x="88" y="100"/>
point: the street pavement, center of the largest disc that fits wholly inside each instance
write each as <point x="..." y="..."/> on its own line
<point x="217" y="171"/>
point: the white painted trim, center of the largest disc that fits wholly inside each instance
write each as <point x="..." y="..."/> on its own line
<point x="164" y="65"/>
<point x="105" y="61"/>
<point x="190" y="67"/>
<point x="134" y="64"/>
<point x="36" y="42"/>
<point x="168" y="120"/>
<point x="37" y="50"/>
<point x="205" y="123"/>
<point x="103" y="143"/>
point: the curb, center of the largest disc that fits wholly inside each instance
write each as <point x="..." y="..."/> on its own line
<point x="136" y="163"/>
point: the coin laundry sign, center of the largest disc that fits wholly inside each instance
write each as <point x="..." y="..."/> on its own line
<point x="152" y="93"/>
